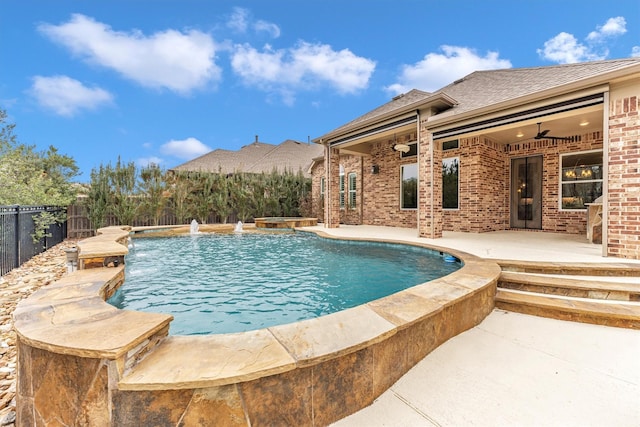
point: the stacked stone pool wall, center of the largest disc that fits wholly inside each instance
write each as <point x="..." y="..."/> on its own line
<point x="83" y="362"/>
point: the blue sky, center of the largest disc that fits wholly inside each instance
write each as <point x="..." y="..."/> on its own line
<point x="166" y="81"/>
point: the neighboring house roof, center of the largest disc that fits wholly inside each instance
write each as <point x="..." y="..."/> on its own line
<point x="482" y="89"/>
<point x="257" y="157"/>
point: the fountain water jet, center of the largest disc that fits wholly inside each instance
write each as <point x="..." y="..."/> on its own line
<point x="238" y="228"/>
<point x="193" y="229"/>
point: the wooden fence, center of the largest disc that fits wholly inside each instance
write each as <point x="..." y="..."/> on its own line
<point x="79" y="226"/>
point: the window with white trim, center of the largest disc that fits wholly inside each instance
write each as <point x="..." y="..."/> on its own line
<point x="352" y="190"/>
<point x="450" y="183"/>
<point x="409" y="186"/>
<point x="580" y="179"/>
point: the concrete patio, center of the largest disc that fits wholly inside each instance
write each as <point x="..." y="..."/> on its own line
<point x="514" y="369"/>
<point x="518" y="245"/>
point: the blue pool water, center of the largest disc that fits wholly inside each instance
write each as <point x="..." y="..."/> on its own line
<point x="238" y="282"/>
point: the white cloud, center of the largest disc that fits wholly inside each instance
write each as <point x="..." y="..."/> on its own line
<point x="186" y="149"/>
<point x="143" y="162"/>
<point x="613" y="27"/>
<point x="565" y="48"/>
<point x="174" y="60"/>
<point x="304" y="67"/>
<point x="267" y="27"/>
<point x="439" y="69"/>
<point x="238" y="21"/>
<point x="635" y="51"/>
<point x="66" y="96"/>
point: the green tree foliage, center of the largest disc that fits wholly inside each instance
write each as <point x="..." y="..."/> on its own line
<point x="180" y="187"/>
<point x="31" y="177"/>
<point x="123" y="180"/>
<point x="131" y="196"/>
<point x="98" y="197"/>
<point x="153" y="185"/>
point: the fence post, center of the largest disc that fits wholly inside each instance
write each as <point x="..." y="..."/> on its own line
<point x="16" y="262"/>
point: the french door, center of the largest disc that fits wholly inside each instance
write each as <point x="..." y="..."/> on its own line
<point x="526" y="192"/>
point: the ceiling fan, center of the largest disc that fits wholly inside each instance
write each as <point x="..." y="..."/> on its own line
<point x="543" y="135"/>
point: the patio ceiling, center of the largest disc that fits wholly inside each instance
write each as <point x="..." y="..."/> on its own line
<point x="566" y="124"/>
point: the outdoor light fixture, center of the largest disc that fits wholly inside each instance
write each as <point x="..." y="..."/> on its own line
<point x="519" y="134"/>
<point x="584" y="123"/>
<point x="403" y="148"/>
<point x="375" y="169"/>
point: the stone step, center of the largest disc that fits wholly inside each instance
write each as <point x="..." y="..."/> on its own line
<point x="615" y="269"/>
<point x="572" y="286"/>
<point x="599" y="312"/>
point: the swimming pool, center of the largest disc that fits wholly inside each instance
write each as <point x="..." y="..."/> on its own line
<point x="239" y="282"/>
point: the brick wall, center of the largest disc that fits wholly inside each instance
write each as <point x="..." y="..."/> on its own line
<point x="624" y="176"/>
<point x="484" y="185"/>
<point x="381" y="191"/>
<point x="317" y="201"/>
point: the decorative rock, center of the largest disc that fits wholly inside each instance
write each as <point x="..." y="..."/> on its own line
<point x="10" y="418"/>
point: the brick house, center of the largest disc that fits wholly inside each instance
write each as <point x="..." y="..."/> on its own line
<point x="511" y="149"/>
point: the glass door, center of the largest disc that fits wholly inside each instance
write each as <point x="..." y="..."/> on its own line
<point x="526" y="192"/>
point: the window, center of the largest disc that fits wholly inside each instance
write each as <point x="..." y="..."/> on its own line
<point x="322" y="189"/>
<point x="450" y="183"/>
<point x="413" y="150"/>
<point x="352" y="190"/>
<point x="341" y="187"/>
<point x="409" y="186"/>
<point x="450" y="145"/>
<point x="580" y="179"/>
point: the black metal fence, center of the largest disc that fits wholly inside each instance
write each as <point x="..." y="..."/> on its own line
<point x="17" y="226"/>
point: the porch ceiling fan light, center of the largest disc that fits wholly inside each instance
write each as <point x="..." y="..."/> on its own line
<point x="403" y="148"/>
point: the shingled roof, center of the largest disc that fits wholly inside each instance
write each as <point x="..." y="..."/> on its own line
<point x="257" y="157"/>
<point x="482" y="89"/>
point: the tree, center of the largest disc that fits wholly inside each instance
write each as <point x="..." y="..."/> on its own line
<point x="31" y="177"/>
<point x="98" y="196"/>
<point x="153" y="186"/>
<point x="123" y="180"/>
<point x="180" y="187"/>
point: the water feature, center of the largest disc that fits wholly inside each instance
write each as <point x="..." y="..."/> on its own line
<point x="238" y="282"/>
<point x="194" y="228"/>
<point x="238" y="228"/>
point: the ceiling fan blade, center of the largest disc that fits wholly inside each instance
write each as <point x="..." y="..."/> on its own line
<point x="543" y="133"/>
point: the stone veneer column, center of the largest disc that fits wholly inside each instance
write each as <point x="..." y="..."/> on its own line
<point x="623" y="197"/>
<point x="429" y="193"/>
<point x="332" y="190"/>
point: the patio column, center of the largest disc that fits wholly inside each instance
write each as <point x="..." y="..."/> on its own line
<point x="332" y="192"/>
<point x="430" y="187"/>
<point x="622" y="203"/>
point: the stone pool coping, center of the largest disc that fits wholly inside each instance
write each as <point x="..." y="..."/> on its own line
<point x="71" y="317"/>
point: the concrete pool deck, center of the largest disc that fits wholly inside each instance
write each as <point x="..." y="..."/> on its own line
<point x="514" y="369"/>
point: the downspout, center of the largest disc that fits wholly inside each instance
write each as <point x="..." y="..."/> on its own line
<point x="605" y="181"/>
